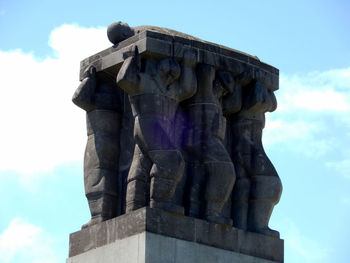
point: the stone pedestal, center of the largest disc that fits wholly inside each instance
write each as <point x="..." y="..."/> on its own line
<point x="187" y="115"/>
<point x="154" y="236"/>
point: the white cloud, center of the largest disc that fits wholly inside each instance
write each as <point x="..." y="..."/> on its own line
<point x="24" y="242"/>
<point x="41" y="127"/>
<point x="309" y="105"/>
<point x="74" y="43"/>
<point x="316" y="91"/>
<point x="278" y="131"/>
<point x="299" y="136"/>
<point x="315" y="100"/>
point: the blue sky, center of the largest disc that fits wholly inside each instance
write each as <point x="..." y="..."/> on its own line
<point x="42" y="136"/>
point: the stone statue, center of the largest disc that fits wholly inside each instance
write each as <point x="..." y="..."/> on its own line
<point x="102" y="105"/>
<point x="212" y="175"/>
<point x="258" y="188"/>
<point x="154" y="96"/>
<point x="175" y="123"/>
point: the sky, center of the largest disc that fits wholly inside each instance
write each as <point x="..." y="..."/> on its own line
<point x="43" y="135"/>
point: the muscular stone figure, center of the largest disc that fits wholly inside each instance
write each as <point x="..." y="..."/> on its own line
<point x="212" y="174"/>
<point x="154" y="96"/>
<point x="258" y="187"/>
<point x="101" y="102"/>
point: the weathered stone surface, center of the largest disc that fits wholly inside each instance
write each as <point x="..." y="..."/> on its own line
<point x="258" y="188"/>
<point x="175" y="123"/>
<point x="100" y="98"/>
<point x="154" y="96"/>
<point x="152" y="248"/>
<point x="159" y="42"/>
<point x="148" y="220"/>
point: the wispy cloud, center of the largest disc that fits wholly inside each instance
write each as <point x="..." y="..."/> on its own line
<point x="315" y="100"/>
<point x="302" y="135"/>
<point x="25" y="242"/>
<point x="316" y="91"/>
<point x="281" y="130"/>
<point x="309" y="105"/>
<point x="41" y="127"/>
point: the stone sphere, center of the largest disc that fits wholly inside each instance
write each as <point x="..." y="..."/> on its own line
<point x="118" y="32"/>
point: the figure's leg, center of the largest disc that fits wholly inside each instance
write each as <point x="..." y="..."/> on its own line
<point x="179" y="195"/>
<point x="266" y="189"/>
<point x="195" y="186"/>
<point x="220" y="180"/>
<point x="240" y="197"/>
<point x="100" y="177"/>
<point x="137" y="193"/>
<point x="166" y="173"/>
<point x="102" y="207"/>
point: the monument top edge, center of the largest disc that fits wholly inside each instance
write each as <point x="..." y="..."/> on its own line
<point x="174" y="33"/>
<point x="171" y="33"/>
<point x="164" y="42"/>
<point x="164" y="30"/>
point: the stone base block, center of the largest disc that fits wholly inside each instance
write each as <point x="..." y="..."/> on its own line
<point x="152" y="248"/>
<point x="154" y="236"/>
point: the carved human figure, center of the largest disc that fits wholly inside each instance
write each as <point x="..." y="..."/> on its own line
<point x="212" y="177"/>
<point x="154" y="96"/>
<point x="101" y="102"/>
<point x="258" y="187"/>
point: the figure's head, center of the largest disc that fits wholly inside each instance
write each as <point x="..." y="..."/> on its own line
<point x="168" y="70"/>
<point x="205" y="72"/>
<point x="218" y="89"/>
<point x="89" y="72"/>
<point x="118" y="32"/>
<point x="224" y="83"/>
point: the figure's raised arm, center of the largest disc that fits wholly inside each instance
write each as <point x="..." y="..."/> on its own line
<point x="232" y="101"/>
<point x="128" y="77"/>
<point x="256" y="100"/>
<point x="84" y="95"/>
<point x="188" y="80"/>
<point x="272" y="101"/>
